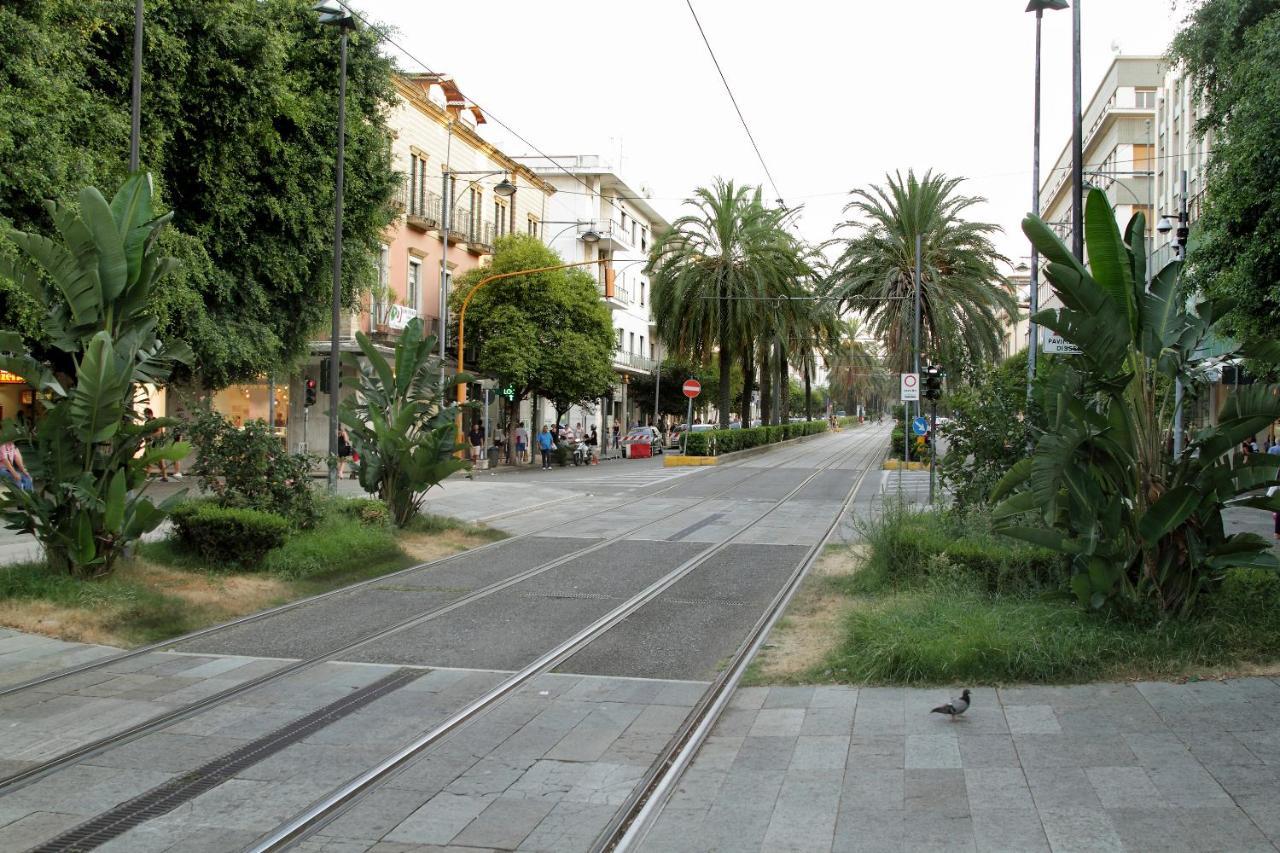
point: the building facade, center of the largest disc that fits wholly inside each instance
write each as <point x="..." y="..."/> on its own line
<point x="593" y="215"/>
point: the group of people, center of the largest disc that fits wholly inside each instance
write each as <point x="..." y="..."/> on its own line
<point x="547" y="440"/>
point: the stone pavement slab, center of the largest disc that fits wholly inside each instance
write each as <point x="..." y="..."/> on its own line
<point x="1152" y="766"/>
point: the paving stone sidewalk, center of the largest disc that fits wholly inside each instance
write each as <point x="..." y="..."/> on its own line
<point x="1126" y="767"/>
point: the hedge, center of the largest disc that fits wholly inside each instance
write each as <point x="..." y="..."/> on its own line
<point x="228" y="534"/>
<point x="717" y="441"/>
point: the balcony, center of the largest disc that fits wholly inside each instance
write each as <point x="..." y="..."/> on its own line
<point x="621" y="295"/>
<point x="459" y="225"/>
<point x="480" y="240"/>
<point x="421" y="208"/>
<point x="617" y="237"/>
<point x="633" y="362"/>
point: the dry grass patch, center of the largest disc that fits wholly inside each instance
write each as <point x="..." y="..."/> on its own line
<point x="812" y="626"/>
<point x="425" y="547"/>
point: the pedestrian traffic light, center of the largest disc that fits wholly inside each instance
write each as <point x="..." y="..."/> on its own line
<point x="309" y="399"/>
<point x="324" y="376"/>
<point x="510" y="393"/>
<point x="933" y="376"/>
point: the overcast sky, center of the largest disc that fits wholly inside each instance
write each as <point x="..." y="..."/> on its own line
<point x="836" y="93"/>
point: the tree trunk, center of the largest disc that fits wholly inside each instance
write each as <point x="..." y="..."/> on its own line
<point x="748" y="381"/>
<point x="808" y="393"/>
<point x="784" y="385"/>
<point x="766" y="387"/>
<point x="726" y="360"/>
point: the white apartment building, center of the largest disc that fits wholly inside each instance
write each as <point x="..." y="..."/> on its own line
<point x="1118" y="149"/>
<point x="1178" y="150"/>
<point x="595" y="214"/>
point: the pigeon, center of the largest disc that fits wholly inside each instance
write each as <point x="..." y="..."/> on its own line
<point x="955" y="707"/>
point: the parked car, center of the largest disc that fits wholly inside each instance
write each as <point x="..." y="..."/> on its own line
<point x="680" y="429"/>
<point x="840" y="414"/>
<point x="642" y="435"/>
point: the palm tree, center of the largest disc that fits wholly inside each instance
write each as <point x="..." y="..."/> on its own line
<point x="854" y="369"/>
<point x="963" y="297"/>
<point x="711" y="273"/>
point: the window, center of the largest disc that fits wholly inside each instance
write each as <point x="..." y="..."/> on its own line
<point x="642" y="285"/>
<point x="1145" y="99"/>
<point x="417" y="185"/>
<point x="634" y="229"/>
<point x="1145" y="210"/>
<point x="642" y="344"/>
<point x="501" y="222"/>
<point x="477" y="199"/>
<point x="533" y="225"/>
<point x="619" y="339"/>
<point x="632" y="347"/>
<point x="415" y="283"/>
<point x="1143" y="157"/>
<point x="653" y="354"/>
<point x="644" y="239"/>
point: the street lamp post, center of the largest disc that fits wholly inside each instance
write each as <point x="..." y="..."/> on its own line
<point x="1077" y="141"/>
<point x="1180" y="248"/>
<point x="337" y="15"/>
<point x="135" y="105"/>
<point x="1033" y="330"/>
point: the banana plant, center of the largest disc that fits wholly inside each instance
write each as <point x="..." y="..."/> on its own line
<point x="1103" y="485"/>
<point x="400" y="421"/>
<point x="88" y="451"/>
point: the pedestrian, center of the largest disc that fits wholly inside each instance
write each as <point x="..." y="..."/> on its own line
<point x="12" y="467"/>
<point x="476" y="437"/>
<point x="578" y="433"/>
<point x="593" y="440"/>
<point x="499" y="443"/>
<point x="1274" y="449"/>
<point x="522" y="444"/>
<point x="1253" y="445"/>
<point x="176" y="436"/>
<point x="1245" y="450"/>
<point x="616" y="433"/>
<point x="154" y="441"/>
<point x="344" y="451"/>
<point x="546" y="444"/>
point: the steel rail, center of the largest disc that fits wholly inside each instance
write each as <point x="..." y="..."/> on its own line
<point x="633" y="821"/>
<point x="325" y="809"/>
<point x="22" y="778"/>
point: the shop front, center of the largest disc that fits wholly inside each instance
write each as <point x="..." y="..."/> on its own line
<point x="17" y="398"/>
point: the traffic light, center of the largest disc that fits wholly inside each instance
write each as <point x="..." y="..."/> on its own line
<point x="309" y="399"/>
<point x="933" y="376"/>
<point x="324" y="376"/>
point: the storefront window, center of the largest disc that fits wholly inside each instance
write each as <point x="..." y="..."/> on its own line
<point x="243" y="403"/>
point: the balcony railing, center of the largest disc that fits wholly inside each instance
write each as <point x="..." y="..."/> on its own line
<point x="481" y="237"/>
<point x="421" y="207"/>
<point x="635" y="361"/>
<point x="620" y="233"/>
<point x="621" y="293"/>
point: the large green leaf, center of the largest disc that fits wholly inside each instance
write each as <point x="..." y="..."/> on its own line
<point x="113" y="267"/>
<point x="1170" y="510"/>
<point x="97" y="401"/>
<point x="1108" y="256"/>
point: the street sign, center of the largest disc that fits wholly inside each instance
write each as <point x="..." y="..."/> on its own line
<point x="1059" y="345"/>
<point x="920" y="426"/>
<point x="910" y="387"/>
<point x="692" y="388"/>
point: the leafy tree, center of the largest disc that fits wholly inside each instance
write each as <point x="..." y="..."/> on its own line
<point x="239" y="124"/>
<point x="963" y="298"/>
<point x="89" y="453"/>
<point x="855" y="372"/>
<point x="401" y="422"/>
<point x="1138" y="522"/>
<point x="1231" y="51"/>
<point x="545" y="333"/>
<point x="713" y="272"/>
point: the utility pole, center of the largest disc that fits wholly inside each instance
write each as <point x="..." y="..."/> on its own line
<point x="135" y="107"/>
<point x="1183" y="233"/>
<point x="915" y="326"/>
<point x="1077" y="141"/>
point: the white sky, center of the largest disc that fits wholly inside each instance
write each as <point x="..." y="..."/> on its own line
<point x="836" y="93"/>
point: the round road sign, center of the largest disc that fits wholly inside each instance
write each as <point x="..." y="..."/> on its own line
<point x="692" y="388"/>
<point x="920" y="426"/>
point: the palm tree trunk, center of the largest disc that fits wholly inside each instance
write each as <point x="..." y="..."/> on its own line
<point x="748" y="381"/>
<point x="779" y="382"/>
<point x="808" y="393"/>
<point x="766" y="387"/>
<point x="726" y="357"/>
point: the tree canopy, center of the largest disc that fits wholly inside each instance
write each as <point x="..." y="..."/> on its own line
<point x="239" y="126"/>
<point x="1231" y="51"/>
<point x="545" y="333"/>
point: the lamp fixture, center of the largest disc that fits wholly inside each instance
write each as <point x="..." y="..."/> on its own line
<point x="590" y="236"/>
<point x="332" y="12"/>
<point x="505" y="188"/>
<point x="1165" y="225"/>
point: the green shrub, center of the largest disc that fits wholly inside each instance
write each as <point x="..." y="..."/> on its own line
<point x="221" y="535"/>
<point x="365" y="510"/>
<point x="340" y="543"/>
<point x="249" y="467"/>
<point x="719" y="441"/>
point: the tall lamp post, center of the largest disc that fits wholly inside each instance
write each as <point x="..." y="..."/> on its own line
<point x="1077" y="141"/>
<point x="335" y="14"/>
<point x="135" y="105"/>
<point x="1033" y="331"/>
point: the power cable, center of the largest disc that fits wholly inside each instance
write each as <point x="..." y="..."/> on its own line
<point x="727" y="88"/>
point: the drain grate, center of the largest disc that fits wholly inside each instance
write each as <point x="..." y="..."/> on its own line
<point x="165" y="798"/>
<point x="705" y="602"/>
<point x="593" y="596"/>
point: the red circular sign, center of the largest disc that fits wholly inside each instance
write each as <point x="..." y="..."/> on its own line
<point x="692" y="388"/>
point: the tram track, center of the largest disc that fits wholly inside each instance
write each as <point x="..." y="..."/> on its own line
<point x="116" y="739"/>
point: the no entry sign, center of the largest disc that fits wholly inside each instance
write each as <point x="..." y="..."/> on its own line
<point x="692" y="388"/>
<point x="910" y="387"/>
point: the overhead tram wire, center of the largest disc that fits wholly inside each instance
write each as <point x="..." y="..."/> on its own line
<point x="384" y="36"/>
<point x="728" y="89"/>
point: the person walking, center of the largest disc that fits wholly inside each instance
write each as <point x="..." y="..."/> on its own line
<point x="156" y="440"/>
<point x="13" y="469"/>
<point x="476" y="438"/>
<point x="344" y="451"/>
<point x="546" y="444"/>
<point x="522" y="444"/>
